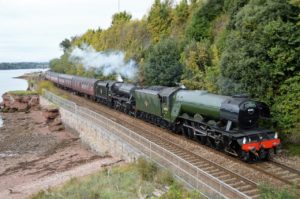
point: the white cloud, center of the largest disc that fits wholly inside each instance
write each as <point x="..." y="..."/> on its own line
<point x="31" y="30"/>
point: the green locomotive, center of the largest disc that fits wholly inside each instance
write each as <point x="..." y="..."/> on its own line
<point x="224" y="122"/>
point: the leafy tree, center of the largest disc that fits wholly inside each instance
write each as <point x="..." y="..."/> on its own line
<point x="196" y="57"/>
<point x="286" y="109"/>
<point x="65" y="44"/>
<point x="162" y="66"/>
<point x="159" y="19"/>
<point x="180" y="17"/>
<point x="199" y="27"/>
<point x="121" y="17"/>
<point x="262" y="50"/>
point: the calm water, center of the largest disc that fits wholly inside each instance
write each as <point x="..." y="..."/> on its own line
<point x="9" y="83"/>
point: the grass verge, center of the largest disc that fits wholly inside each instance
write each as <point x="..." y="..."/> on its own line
<point x="271" y="192"/>
<point x="140" y="180"/>
<point x="22" y="93"/>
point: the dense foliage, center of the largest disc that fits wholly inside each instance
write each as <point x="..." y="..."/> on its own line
<point x="224" y="46"/>
<point x="22" y="65"/>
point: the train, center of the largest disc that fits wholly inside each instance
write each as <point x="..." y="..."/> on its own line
<point x="227" y="123"/>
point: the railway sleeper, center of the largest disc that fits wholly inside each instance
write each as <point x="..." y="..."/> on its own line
<point x="207" y="167"/>
<point x="245" y="187"/>
<point x="217" y="173"/>
<point x="256" y="196"/>
<point x="290" y="176"/>
<point x="213" y="170"/>
<point x="230" y="180"/>
<point x="224" y="177"/>
<point x="195" y="162"/>
<point x="297" y="180"/>
<point x="236" y="184"/>
<point x="252" y="192"/>
<point x="202" y="165"/>
<point x="282" y="173"/>
<point x="273" y="170"/>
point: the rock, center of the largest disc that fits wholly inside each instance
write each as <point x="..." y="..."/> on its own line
<point x="158" y="193"/>
<point x="56" y="122"/>
<point x="56" y="128"/>
<point x="22" y="103"/>
<point x="50" y="115"/>
<point x="34" y="101"/>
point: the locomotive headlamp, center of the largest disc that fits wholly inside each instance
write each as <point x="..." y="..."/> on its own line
<point x="244" y="140"/>
<point x="276" y="135"/>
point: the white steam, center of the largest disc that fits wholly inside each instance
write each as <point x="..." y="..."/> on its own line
<point x="108" y="63"/>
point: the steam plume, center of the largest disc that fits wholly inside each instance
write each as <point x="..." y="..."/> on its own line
<point x="108" y="63"/>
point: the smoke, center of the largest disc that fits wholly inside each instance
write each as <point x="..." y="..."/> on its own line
<point x="109" y="63"/>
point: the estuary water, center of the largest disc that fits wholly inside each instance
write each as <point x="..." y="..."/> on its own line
<point x="9" y="83"/>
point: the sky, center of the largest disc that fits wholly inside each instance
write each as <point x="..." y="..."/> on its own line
<point x="31" y="30"/>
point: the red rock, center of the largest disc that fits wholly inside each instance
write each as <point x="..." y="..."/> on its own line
<point x="34" y="101"/>
<point x="19" y="106"/>
<point x="50" y="115"/>
<point x="56" y="128"/>
<point x="56" y="122"/>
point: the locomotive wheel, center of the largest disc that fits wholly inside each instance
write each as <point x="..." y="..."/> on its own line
<point x="202" y="139"/>
<point x="185" y="130"/>
<point x="245" y="156"/>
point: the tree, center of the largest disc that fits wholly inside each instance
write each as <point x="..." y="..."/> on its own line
<point x="262" y="50"/>
<point x="121" y="17"/>
<point x="162" y="66"/>
<point x="286" y="108"/>
<point x="65" y="44"/>
<point x="159" y="19"/>
<point x="179" y="19"/>
<point x="199" y="27"/>
<point x="196" y="57"/>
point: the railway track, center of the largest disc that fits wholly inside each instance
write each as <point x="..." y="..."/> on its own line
<point x="240" y="183"/>
<point x="279" y="171"/>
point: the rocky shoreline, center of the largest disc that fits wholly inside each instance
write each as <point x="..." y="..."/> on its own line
<point x="35" y="146"/>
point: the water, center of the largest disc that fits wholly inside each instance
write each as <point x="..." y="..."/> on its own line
<point x="9" y="83"/>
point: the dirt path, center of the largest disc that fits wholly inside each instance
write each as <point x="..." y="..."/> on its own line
<point x="33" y="158"/>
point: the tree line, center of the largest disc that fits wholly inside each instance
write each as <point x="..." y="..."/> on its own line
<point x="23" y="65"/>
<point x="223" y="46"/>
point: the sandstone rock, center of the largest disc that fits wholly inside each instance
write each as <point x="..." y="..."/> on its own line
<point x="50" y="115"/>
<point x="21" y="103"/>
<point x="56" y="122"/>
<point x="56" y="128"/>
<point x="34" y="101"/>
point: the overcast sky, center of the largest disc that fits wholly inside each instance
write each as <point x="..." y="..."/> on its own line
<point x="31" y="30"/>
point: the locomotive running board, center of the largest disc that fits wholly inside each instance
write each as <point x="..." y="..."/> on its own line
<point x="200" y="133"/>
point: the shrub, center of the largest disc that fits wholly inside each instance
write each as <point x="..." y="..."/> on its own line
<point x="45" y="85"/>
<point x="147" y="170"/>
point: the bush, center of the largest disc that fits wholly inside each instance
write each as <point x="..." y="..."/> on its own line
<point x="147" y="170"/>
<point x="45" y="85"/>
<point x="177" y="191"/>
<point x="164" y="177"/>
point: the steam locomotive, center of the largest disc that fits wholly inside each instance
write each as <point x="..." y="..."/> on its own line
<point x="227" y="123"/>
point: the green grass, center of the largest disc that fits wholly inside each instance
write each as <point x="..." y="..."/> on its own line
<point x="119" y="182"/>
<point x="22" y="93"/>
<point x="271" y="192"/>
<point x="293" y="149"/>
